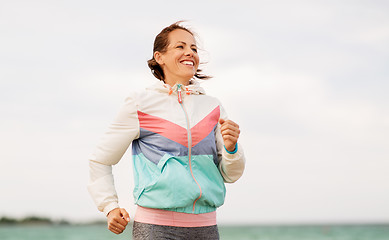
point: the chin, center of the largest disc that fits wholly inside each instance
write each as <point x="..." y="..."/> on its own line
<point x="188" y="76"/>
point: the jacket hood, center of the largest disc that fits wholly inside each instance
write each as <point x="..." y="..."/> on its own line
<point x="193" y="88"/>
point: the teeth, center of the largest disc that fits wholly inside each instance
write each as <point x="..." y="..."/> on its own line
<point x="188" y="63"/>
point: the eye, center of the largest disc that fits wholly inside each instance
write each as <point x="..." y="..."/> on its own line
<point x="194" y="50"/>
<point x="180" y="46"/>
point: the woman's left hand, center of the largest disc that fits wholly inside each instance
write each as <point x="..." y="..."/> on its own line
<point x="230" y="133"/>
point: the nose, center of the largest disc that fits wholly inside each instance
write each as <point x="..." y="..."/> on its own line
<point x="188" y="52"/>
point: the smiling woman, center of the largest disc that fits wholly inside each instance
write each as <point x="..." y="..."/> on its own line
<point x="183" y="147"/>
<point x="170" y="38"/>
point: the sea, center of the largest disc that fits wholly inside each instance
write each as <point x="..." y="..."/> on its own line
<point x="99" y="232"/>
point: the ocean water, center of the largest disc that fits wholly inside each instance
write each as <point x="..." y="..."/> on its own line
<point x="99" y="232"/>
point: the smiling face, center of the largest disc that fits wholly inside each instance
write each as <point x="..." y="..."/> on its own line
<point x="180" y="60"/>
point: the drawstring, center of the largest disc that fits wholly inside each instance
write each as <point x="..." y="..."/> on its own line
<point x="188" y="92"/>
<point x="180" y="88"/>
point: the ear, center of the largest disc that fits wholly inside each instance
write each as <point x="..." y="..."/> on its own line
<point x="159" y="58"/>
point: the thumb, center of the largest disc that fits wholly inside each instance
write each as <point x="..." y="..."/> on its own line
<point x="221" y="121"/>
<point x="125" y="214"/>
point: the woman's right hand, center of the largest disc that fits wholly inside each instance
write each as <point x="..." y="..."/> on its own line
<point x="117" y="220"/>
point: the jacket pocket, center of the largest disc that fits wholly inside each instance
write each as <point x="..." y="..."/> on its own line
<point x="172" y="185"/>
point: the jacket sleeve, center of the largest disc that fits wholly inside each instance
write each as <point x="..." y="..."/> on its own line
<point x="231" y="166"/>
<point x="114" y="143"/>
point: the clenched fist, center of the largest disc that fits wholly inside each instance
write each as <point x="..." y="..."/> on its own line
<point x="117" y="220"/>
<point x="230" y="133"/>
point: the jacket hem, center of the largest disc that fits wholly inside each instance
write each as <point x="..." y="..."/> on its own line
<point x="189" y="209"/>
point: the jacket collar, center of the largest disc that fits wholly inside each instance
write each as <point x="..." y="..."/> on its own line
<point x="193" y="88"/>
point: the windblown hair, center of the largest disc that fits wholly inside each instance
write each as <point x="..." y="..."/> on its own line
<point x="161" y="43"/>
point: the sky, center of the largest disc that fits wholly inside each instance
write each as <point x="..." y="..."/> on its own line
<point x="307" y="82"/>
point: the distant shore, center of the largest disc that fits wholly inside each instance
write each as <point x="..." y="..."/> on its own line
<point x="36" y="220"/>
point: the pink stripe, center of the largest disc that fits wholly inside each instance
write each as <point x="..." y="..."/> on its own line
<point x="164" y="127"/>
<point x="205" y="126"/>
<point x="175" y="219"/>
<point x="177" y="133"/>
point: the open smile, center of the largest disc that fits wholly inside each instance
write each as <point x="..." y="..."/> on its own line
<point x="188" y="63"/>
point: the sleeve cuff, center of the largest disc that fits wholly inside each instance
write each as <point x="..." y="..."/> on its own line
<point x="236" y="149"/>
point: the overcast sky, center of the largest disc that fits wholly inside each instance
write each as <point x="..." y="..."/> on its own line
<point x="306" y="80"/>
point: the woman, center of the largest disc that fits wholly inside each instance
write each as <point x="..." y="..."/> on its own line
<point x="183" y="147"/>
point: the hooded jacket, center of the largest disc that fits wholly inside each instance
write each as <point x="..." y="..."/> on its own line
<point x="179" y="160"/>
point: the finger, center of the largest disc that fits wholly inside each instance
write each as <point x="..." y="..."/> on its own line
<point x="221" y="121"/>
<point x="230" y="132"/>
<point x="227" y="133"/>
<point x="119" y="219"/>
<point x="125" y="214"/>
<point x="115" y="230"/>
<point x="118" y="223"/>
<point x="230" y="122"/>
<point x="229" y="126"/>
<point x="114" y="227"/>
<point x="233" y="132"/>
<point x="230" y="138"/>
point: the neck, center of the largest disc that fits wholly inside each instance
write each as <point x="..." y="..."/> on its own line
<point x="172" y="81"/>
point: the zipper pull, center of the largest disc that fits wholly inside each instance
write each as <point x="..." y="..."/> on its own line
<point x="179" y="93"/>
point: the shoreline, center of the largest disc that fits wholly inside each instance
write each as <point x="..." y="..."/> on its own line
<point x="44" y="221"/>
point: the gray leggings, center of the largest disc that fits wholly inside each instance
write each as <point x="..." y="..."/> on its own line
<point x="144" y="231"/>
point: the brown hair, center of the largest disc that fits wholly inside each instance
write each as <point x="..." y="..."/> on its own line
<point x="161" y="43"/>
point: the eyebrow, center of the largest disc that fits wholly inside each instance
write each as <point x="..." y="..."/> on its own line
<point x="185" y="43"/>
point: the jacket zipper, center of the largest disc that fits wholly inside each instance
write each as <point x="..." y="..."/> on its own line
<point x="189" y="141"/>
